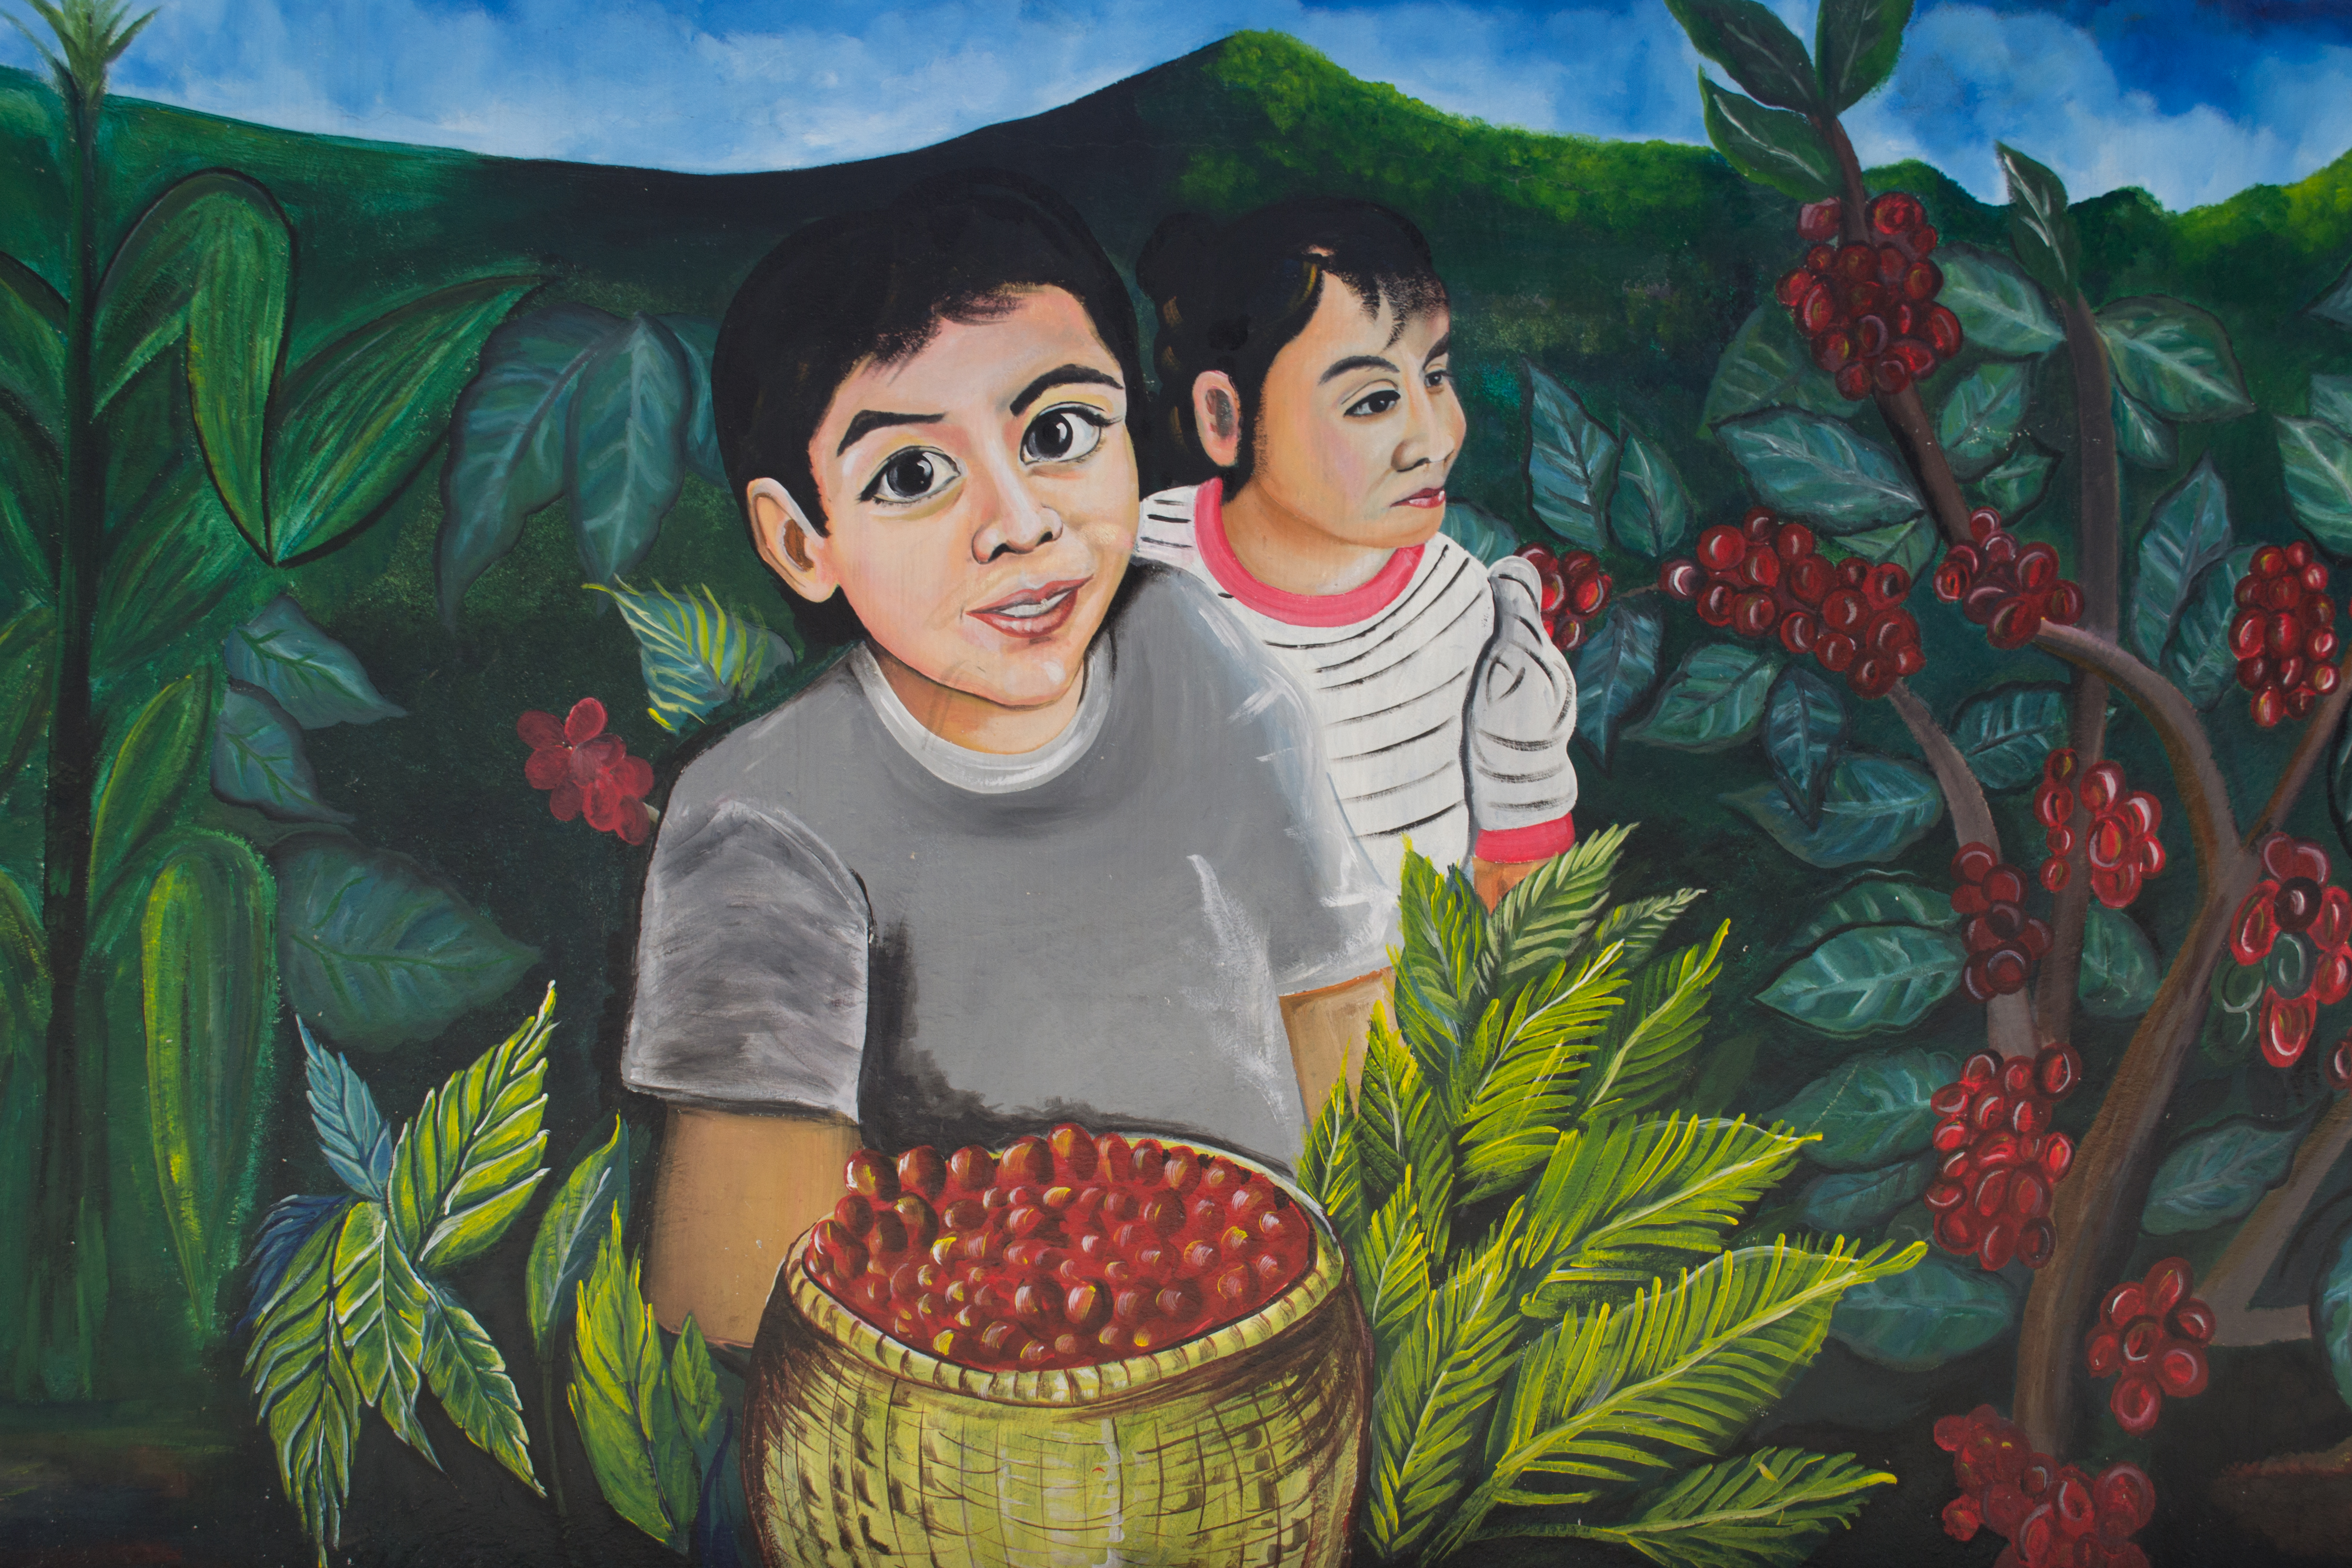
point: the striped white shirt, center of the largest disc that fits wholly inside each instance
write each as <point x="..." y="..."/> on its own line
<point x="1391" y="670"/>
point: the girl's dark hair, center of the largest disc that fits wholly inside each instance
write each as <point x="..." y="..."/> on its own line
<point x="1229" y="297"/>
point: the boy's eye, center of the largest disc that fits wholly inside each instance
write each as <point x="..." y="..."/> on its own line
<point x="910" y="476"/>
<point x="1437" y="376"/>
<point x="1377" y="402"/>
<point x="1062" y="436"/>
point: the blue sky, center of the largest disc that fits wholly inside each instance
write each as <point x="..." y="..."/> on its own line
<point x="2191" y="98"/>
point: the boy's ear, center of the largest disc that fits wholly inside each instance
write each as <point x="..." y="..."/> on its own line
<point x="792" y="550"/>
<point x="1217" y="415"/>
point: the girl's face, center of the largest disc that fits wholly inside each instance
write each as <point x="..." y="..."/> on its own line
<point x="980" y="501"/>
<point x="1359" y="425"/>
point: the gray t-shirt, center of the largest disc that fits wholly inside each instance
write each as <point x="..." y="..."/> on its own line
<point x="846" y="912"/>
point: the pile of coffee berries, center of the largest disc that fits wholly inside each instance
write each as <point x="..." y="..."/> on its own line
<point x="2151" y="1338"/>
<point x="1869" y="309"/>
<point x="1764" y="578"/>
<point x="1575" y="592"/>
<point x="2284" y="632"/>
<point x="2004" y="943"/>
<point x="2007" y="588"/>
<point x="1065" y="1250"/>
<point x="2298" y="929"/>
<point x="1992" y="1195"/>
<point x="2053" y="1515"/>
<point x="2124" y="850"/>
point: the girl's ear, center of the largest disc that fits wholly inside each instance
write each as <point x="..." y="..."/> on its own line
<point x="1217" y="415"/>
<point x="792" y="550"/>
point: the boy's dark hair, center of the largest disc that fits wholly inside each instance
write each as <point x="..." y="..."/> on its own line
<point x="1229" y="297"/>
<point x="876" y="285"/>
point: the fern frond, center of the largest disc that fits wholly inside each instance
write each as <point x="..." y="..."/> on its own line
<point x="1640" y="1055"/>
<point x="1518" y="1085"/>
<point x="1642" y="924"/>
<point x="1543" y="919"/>
<point x="1400" y="1122"/>
<point x="1393" y="1270"/>
<point x="1766" y="1510"/>
<point x="1605" y="1399"/>
<point x="1327" y="1170"/>
<point x="1438" y="966"/>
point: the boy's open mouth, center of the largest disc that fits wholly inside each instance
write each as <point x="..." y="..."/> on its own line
<point x="1038" y="612"/>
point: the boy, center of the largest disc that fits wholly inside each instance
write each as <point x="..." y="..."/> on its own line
<point x="1052" y="842"/>
<point x="1304" y="361"/>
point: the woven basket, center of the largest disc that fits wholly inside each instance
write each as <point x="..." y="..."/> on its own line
<point x="1243" y="1447"/>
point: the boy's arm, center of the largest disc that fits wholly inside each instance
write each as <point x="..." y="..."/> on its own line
<point x="732" y="1193"/>
<point x="1328" y="1028"/>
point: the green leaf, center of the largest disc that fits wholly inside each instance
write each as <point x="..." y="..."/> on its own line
<point x="2218" y="1175"/>
<point x="1479" y="532"/>
<point x="2014" y="488"/>
<point x="2140" y="436"/>
<point x="30" y="505"/>
<point x="1855" y="44"/>
<point x="259" y="760"/>
<point x="2332" y="1315"/>
<point x="148" y="765"/>
<point x="1877" y="898"/>
<point x="2175" y="358"/>
<point x="1636" y="926"/>
<point x="1754" y="46"/>
<point x="2318" y="458"/>
<point x="316" y="680"/>
<point x="24" y="972"/>
<point x="467" y="1375"/>
<point x="1818" y="469"/>
<point x="565" y="1244"/>
<point x="2331" y="401"/>
<point x="362" y="414"/>
<point x="1402" y="1124"/>
<point x="181" y="564"/>
<point x="1840" y="1201"/>
<point x="1980" y="418"/>
<point x="381" y="1305"/>
<point x="32" y="342"/>
<point x="1877" y="807"/>
<point x="1551" y="913"/>
<point x="1769" y="146"/>
<point x="1767" y="1509"/>
<point x="304" y="1391"/>
<point x="2119" y="966"/>
<point x="694" y="652"/>
<point x="1439" y="966"/>
<point x="693" y="1386"/>
<point x="624" y="446"/>
<point x="1517" y="1080"/>
<point x="506" y="441"/>
<point x="2198" y="659"/>
<point x="28" y="650"/>
<point x="1714" y="700"/>
<point x="1571" y="462"/>
<point x="465" y="1167"/>
<point x="378" y="951"/>
<point x="1804" y="727"/>
<point x="1392" y="1269"/>
<point x="2000" y="310"/>
<point x="2336" y="305"/>
<point x="1867" y="979"/>
<point x="1616" y="672"/>
<point x="618" y="1376"/>
<point x="208" y="989"/>
<point x="1768" y="365"/>
<point x="1644" y="1049"/>
<point x="1910" y="544"/>
<point x="1938" y="1310"/>
<point x="1328" y="1170"/>
<point x="1650" y="512"/>
<point x="352" y="1131"/>
<point x="1872" y="1109"/>
<point x="2007" y="733"/>
<point x="2041" y="230"/>
<point x="697" y="339"/>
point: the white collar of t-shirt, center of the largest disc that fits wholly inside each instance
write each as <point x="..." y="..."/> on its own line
<point x="989" y="772"/>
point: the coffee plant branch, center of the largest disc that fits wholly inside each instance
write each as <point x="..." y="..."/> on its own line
<point x="2230" y="1288"/>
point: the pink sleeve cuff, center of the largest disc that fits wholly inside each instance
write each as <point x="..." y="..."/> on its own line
<point x="1516" y="845"/>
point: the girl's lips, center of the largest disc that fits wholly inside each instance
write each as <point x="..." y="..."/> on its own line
<point x="1033" y="613"/>
<point x="1424" y="497"/>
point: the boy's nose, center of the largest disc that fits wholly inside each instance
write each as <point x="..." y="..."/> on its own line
<point x="1015" y="522"/>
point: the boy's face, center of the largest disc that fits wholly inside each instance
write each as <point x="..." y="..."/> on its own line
<point x="980" y="501"/>
<point x="1357" y="424"/>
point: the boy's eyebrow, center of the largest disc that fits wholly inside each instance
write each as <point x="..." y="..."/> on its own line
<point x="1065" y="376"/>
<point x="1356" y="362"/>
<point x="865" y="421"/>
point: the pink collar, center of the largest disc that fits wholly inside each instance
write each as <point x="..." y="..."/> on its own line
<point x="1292" y="609"/>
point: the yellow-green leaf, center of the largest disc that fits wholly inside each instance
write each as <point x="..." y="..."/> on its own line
<point x="468" y="1375"/>
<point x="617" y="1377"/>
<point x="465" y="1167"/>
<point x="147" y="769"/>
<point x="380" y="1309"/>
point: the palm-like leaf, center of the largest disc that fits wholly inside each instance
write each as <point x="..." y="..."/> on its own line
<point x="1643" y="923"/>
<point x="1642" y="1053"/>
<point x="1760" y="1511"/>
<point x="1400" y="1122"/>
<point x="465" y="1167"/>
<point x="1551" y="913"/>
<point x="1516" y="1082"/>
<point x="1392" y="1269"/>
<point x="304" y="1390"/>
<point x="1437" y="968"/>
<point x="1327" y="1167"/>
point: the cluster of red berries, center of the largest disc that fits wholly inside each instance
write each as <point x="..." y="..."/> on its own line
<point x="2053" y="1515"/>
<point x="1575" y="592"/>
<point x="1764" y="578"/>
<point x="1992" y="1195"/>
<point x="2284" y="632"/>
<point x="2300" y="931"/>
<point x="2151" y="1338"/>
<point x="2004" y="944"/>
<point x="2007" y="588"/>
<point x="1869" y="309"/>
<point x="587" y="773"/>
<point x="1066" y="1250"/>
<point x="2124" y="850"/>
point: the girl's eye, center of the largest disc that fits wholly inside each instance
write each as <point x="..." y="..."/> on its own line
<point x="1377" y="402"/>
<point x="1062" y="435"/>
<point x="912" y="475"/>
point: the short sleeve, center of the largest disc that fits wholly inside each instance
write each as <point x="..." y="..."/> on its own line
<point x="752" y="965"/>
<point x="1522" y="714"/>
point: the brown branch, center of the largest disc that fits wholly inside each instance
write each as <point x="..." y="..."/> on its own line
<point x="2008" y="1020"/>
<point x="2318" y="731"/>
<point x="2228" y="1288"/>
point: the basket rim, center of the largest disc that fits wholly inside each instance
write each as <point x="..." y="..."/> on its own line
<point x="1060" y="1386"/>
